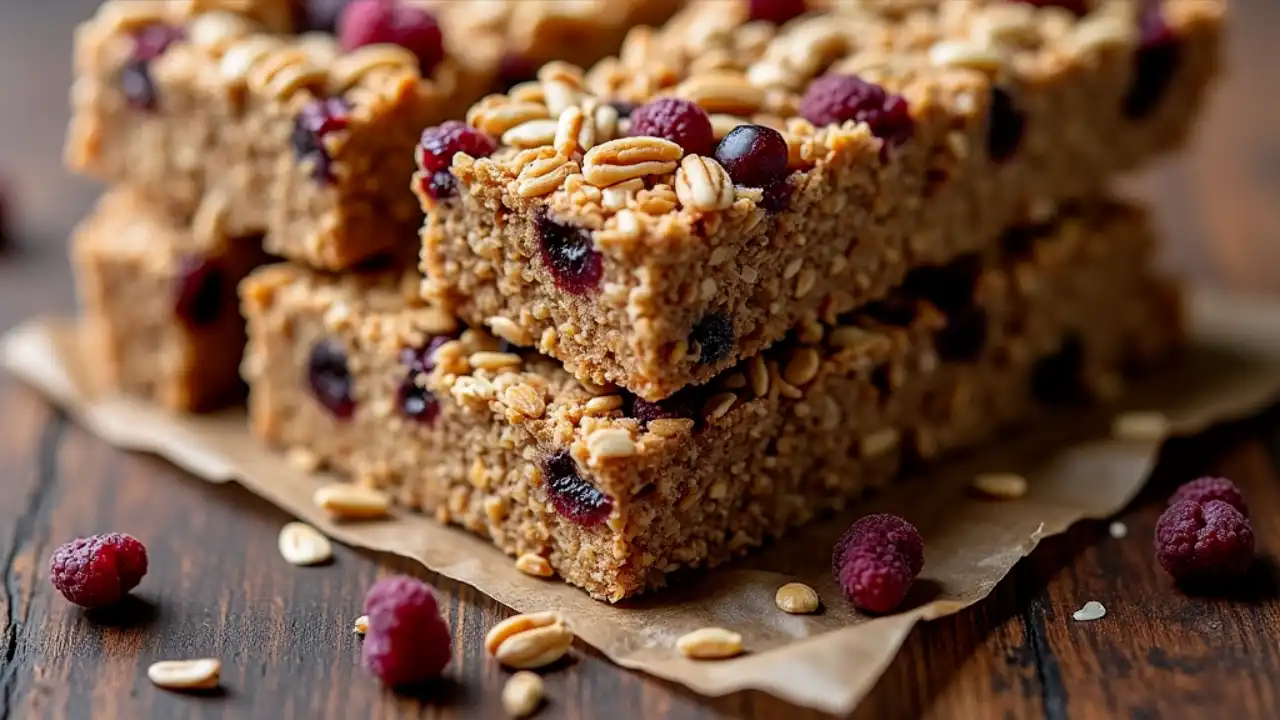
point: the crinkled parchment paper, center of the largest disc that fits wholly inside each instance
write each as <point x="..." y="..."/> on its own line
<point x="827" y="661"/>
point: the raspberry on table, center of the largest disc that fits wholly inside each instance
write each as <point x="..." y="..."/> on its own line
<point x="1205" y="489"/>
<point x="835" y="99"/>
<point x="1204" y="541"/>
<point x="99" y="570"/>
<point x="407" y="642"/>
<point x="876" y="561"/>
<point x="753" y="155"/>
<point x="439" y="144"/>
<point x="681" y="121"/>
<point x="370" y="22"/>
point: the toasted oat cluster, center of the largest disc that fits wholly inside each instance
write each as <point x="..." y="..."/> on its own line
<point x="677" y="208"/>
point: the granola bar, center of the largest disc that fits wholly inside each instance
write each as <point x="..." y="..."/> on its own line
<point x="160" y="303"/>
<point x="678" y="208"/>
<point x="356" y="373"/>
<point x="293" y="135"/>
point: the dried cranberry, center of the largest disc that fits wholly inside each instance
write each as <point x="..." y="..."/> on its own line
<point x="199" y="288"/>
<point x="439" y="144"/>
<point x="321" y="15"/>
<point x="136" y="82"/>
<point x="371" y="22"/>
<point x="330" y="379"/>
<point x="153" y="40"/>
<point x="515" y="69"/>
<point x="318" y="119"/>
<point x="754" y="155"/>
<point x="570" y="256"/>
<point x="835" y="99"/>
<point x="1006" y="126"/>
<point x="1058" y="378"/>
<point x="422" y="360"/>
<point x="573" y="497"/>
<point x="964" y="336"/>
<point x="1155" y="64"/>
<point x="775" y="11"/>
<point x="713" y="336"/>
<point x="680" y="121"/>
<point x="417" y="402"/>
<point x="685" y="404"/>
<point x="440" y="185"/>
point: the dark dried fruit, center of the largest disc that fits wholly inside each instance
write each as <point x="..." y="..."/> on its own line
<point x="136" y="82"/>
<point x="777" y="197"/>
<point x="100" y="570"/>
<point x="1006" y="126"/>
<point x="681" y="121"/>
<point x="330" y="379"/>
<point x="440" y="185"/>
<point x="407" y="642"/>
<point x="371" y="22"/>
<point x="321" y="15"/>
<point x="1155" y="64"/>
<point x="685" y="404"/>
<point x="573" y="497"/>
<point x="835" y="99"/>
<point x="570" y="256"/>
<point x="417" y="402"/>
<point x="775" y="11"/>
<point x="712" y="338"/>
<point x="318" y="119"/>
<point x="515" y="69"/>
<point x="200" y="287"/>
<point x="422" y="360"/>
<point x="1204" y="541"/>
<point x="1079" y="7"/>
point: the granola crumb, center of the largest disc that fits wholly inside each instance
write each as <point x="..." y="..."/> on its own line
<point x="522" y="694"/>
<point x="1092" y="610"/>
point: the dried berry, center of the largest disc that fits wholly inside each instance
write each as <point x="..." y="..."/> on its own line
<point x="199" y="288"/>
<point x="1155" y="63"/>
<point x="573" y="497"/>
<point x="1078" y="7"/>
<point x="1204" y="541"/>
<point x="318" y="119"/>
<point x="685" y="404"/>
<point x="149" y="43"/>
<point x="713" y="337"/>
<point x="570" y="256"/>
<point x="439" y="144"/>
<point x="422" y="360"/>
<point x="330" y="379"/>
<point x="371" y="22"/>
<point x="1006" y="126"/>
<point x="754" y="155"/>
<point x="877" y="560"/>
<point x="681" y="121"/>
<point x="321" y="15"/>
<point x="835" y="99"/>
<point x="406" y="642"/>
<point x="416" y="402"/>
<point x="775" y="11"/>
<point x="1205" y="489"/>
<point x="99" y="570"/>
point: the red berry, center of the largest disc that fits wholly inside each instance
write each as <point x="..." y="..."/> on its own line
<point x="407" y="641"/>
<point x="369" y="22"/>
<point x="775" y="11"/>
<point x="570" y="255"/>
<point x="680" y="121"/>
<point x="754" y="155"/>
<point x="439" y="144"/>
<point x="99" y="570"/>
<point x="571" y="496"/>
<point x="1155" y="64"/>
<point x="329" y="378"/>
<point x="883" y="529"/>
<point x="875" y="579"/>
<point x="835" y="99"/>
<point x="1205" y="489"/>
<point x="1204" y="541"/>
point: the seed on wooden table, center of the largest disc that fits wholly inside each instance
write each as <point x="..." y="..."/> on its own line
<point x="522" y="694"/>
<point x="302" y="544"/>
<point x="186" y="674"/>
<point x="796" y="598"/>
<point x="1002" y="486"/>
<point x="352" y="502"/>
<point x="710" y="643"/>
<point x="1092" y="610"/>
<point x="535" y="565"/>
<point x="526" y="642"/>
<point x="362" y="625"/>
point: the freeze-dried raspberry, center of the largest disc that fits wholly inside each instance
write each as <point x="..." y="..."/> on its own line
<point x="439" y="144"/>
<point x="1200" y="541"/>
<point x="834" y="99"/>
<point x="680" y="121"/>
<point x="1205" y="489"/>
<point x="369" y="22"/>
<point x="876" y="561"/>
<point x="99" y="570"/>
<point x="407" y="641"/>
<point x="883" y="529"/>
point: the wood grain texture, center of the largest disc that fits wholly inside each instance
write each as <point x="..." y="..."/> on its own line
<point x="218" y="587"/>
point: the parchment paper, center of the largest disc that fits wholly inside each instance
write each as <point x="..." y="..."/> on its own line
<point x="827" y="661"/>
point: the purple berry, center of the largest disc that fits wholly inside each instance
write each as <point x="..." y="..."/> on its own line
<point x="836" y="99"/>
<point x="1204" y="541"/>
<point x="1005" y="126"/>
<point x="753" y="155"/>
<point x="318" y="119"/>
<point x="1202" y="490"/>
<point x="775" y="11"/>
<point x="417" y="402"/>
<point x="777" y="197"/>
<point x="573" y="497"/>
<point x="1155" y="64"/>
<point x="515" y="69"/>
<point x="100" y="570"/>
<point x="439" y="144"/>
<point x="680" y="121"/>
<point x="570" y="256"/>
<point x="321" y="15"/>
<point x="136" y="83"/>
<point x="199" y="289"/>
<point x="685" y="404"/>
<point x="623" y="107"/>
<point x="422" y="360"/>
<point x="153" y="40"/>
<point x="713" y="336"/>
<point x="440" y="185"/>
<point x="330" y="379"/>
<point x="371" y="22"/>
<point x="407" y="641"/>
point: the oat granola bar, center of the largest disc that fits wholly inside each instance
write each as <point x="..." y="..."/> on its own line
<point x="786" y="172"/>
<point x="290" y="134"/>
<point x="356" y="373"/>
<point x="160" y="303"/>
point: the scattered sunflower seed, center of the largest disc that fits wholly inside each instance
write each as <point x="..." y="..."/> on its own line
<point x="522" y="694"/>
<point x="1092" y="610"/>
<point x="302" y="544"/>
<point x="200" y="674"/>
<point x="1001" y="486"/>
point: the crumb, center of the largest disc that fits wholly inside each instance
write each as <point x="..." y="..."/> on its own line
<point x="1092" y="610"/>
<point x="100" y="570"/>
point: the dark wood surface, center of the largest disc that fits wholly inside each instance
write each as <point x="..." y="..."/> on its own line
<point x="217" y="586"/>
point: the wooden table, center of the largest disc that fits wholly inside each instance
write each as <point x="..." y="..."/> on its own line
<point x="217" y="586"/>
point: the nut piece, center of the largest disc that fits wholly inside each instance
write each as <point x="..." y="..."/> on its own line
<point x="302" y="544"/>
<point x="1002" y="486"/>
<point x="1140" y="426"/>
<point x="632" y="157"/>
<point x="200" y="674"/>
<point x="529" y="641"/>
<point x="352" y="502"/>
<point x="703" y="185"/>
<point x="522" y="694"/>
<point x="796" y="598"/>
<point x="362" y="625"/>
<point x="535" y="565"/>
<point x="610" y="443"/>
<point x="710" y="643"/>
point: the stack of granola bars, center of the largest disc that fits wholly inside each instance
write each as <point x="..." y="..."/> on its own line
<point x="662" y="309"/>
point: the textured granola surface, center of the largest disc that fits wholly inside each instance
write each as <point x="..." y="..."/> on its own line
<point x="357" y="373"/>
<point x="1014" y="109"/>
<point x="159" y="303"/>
